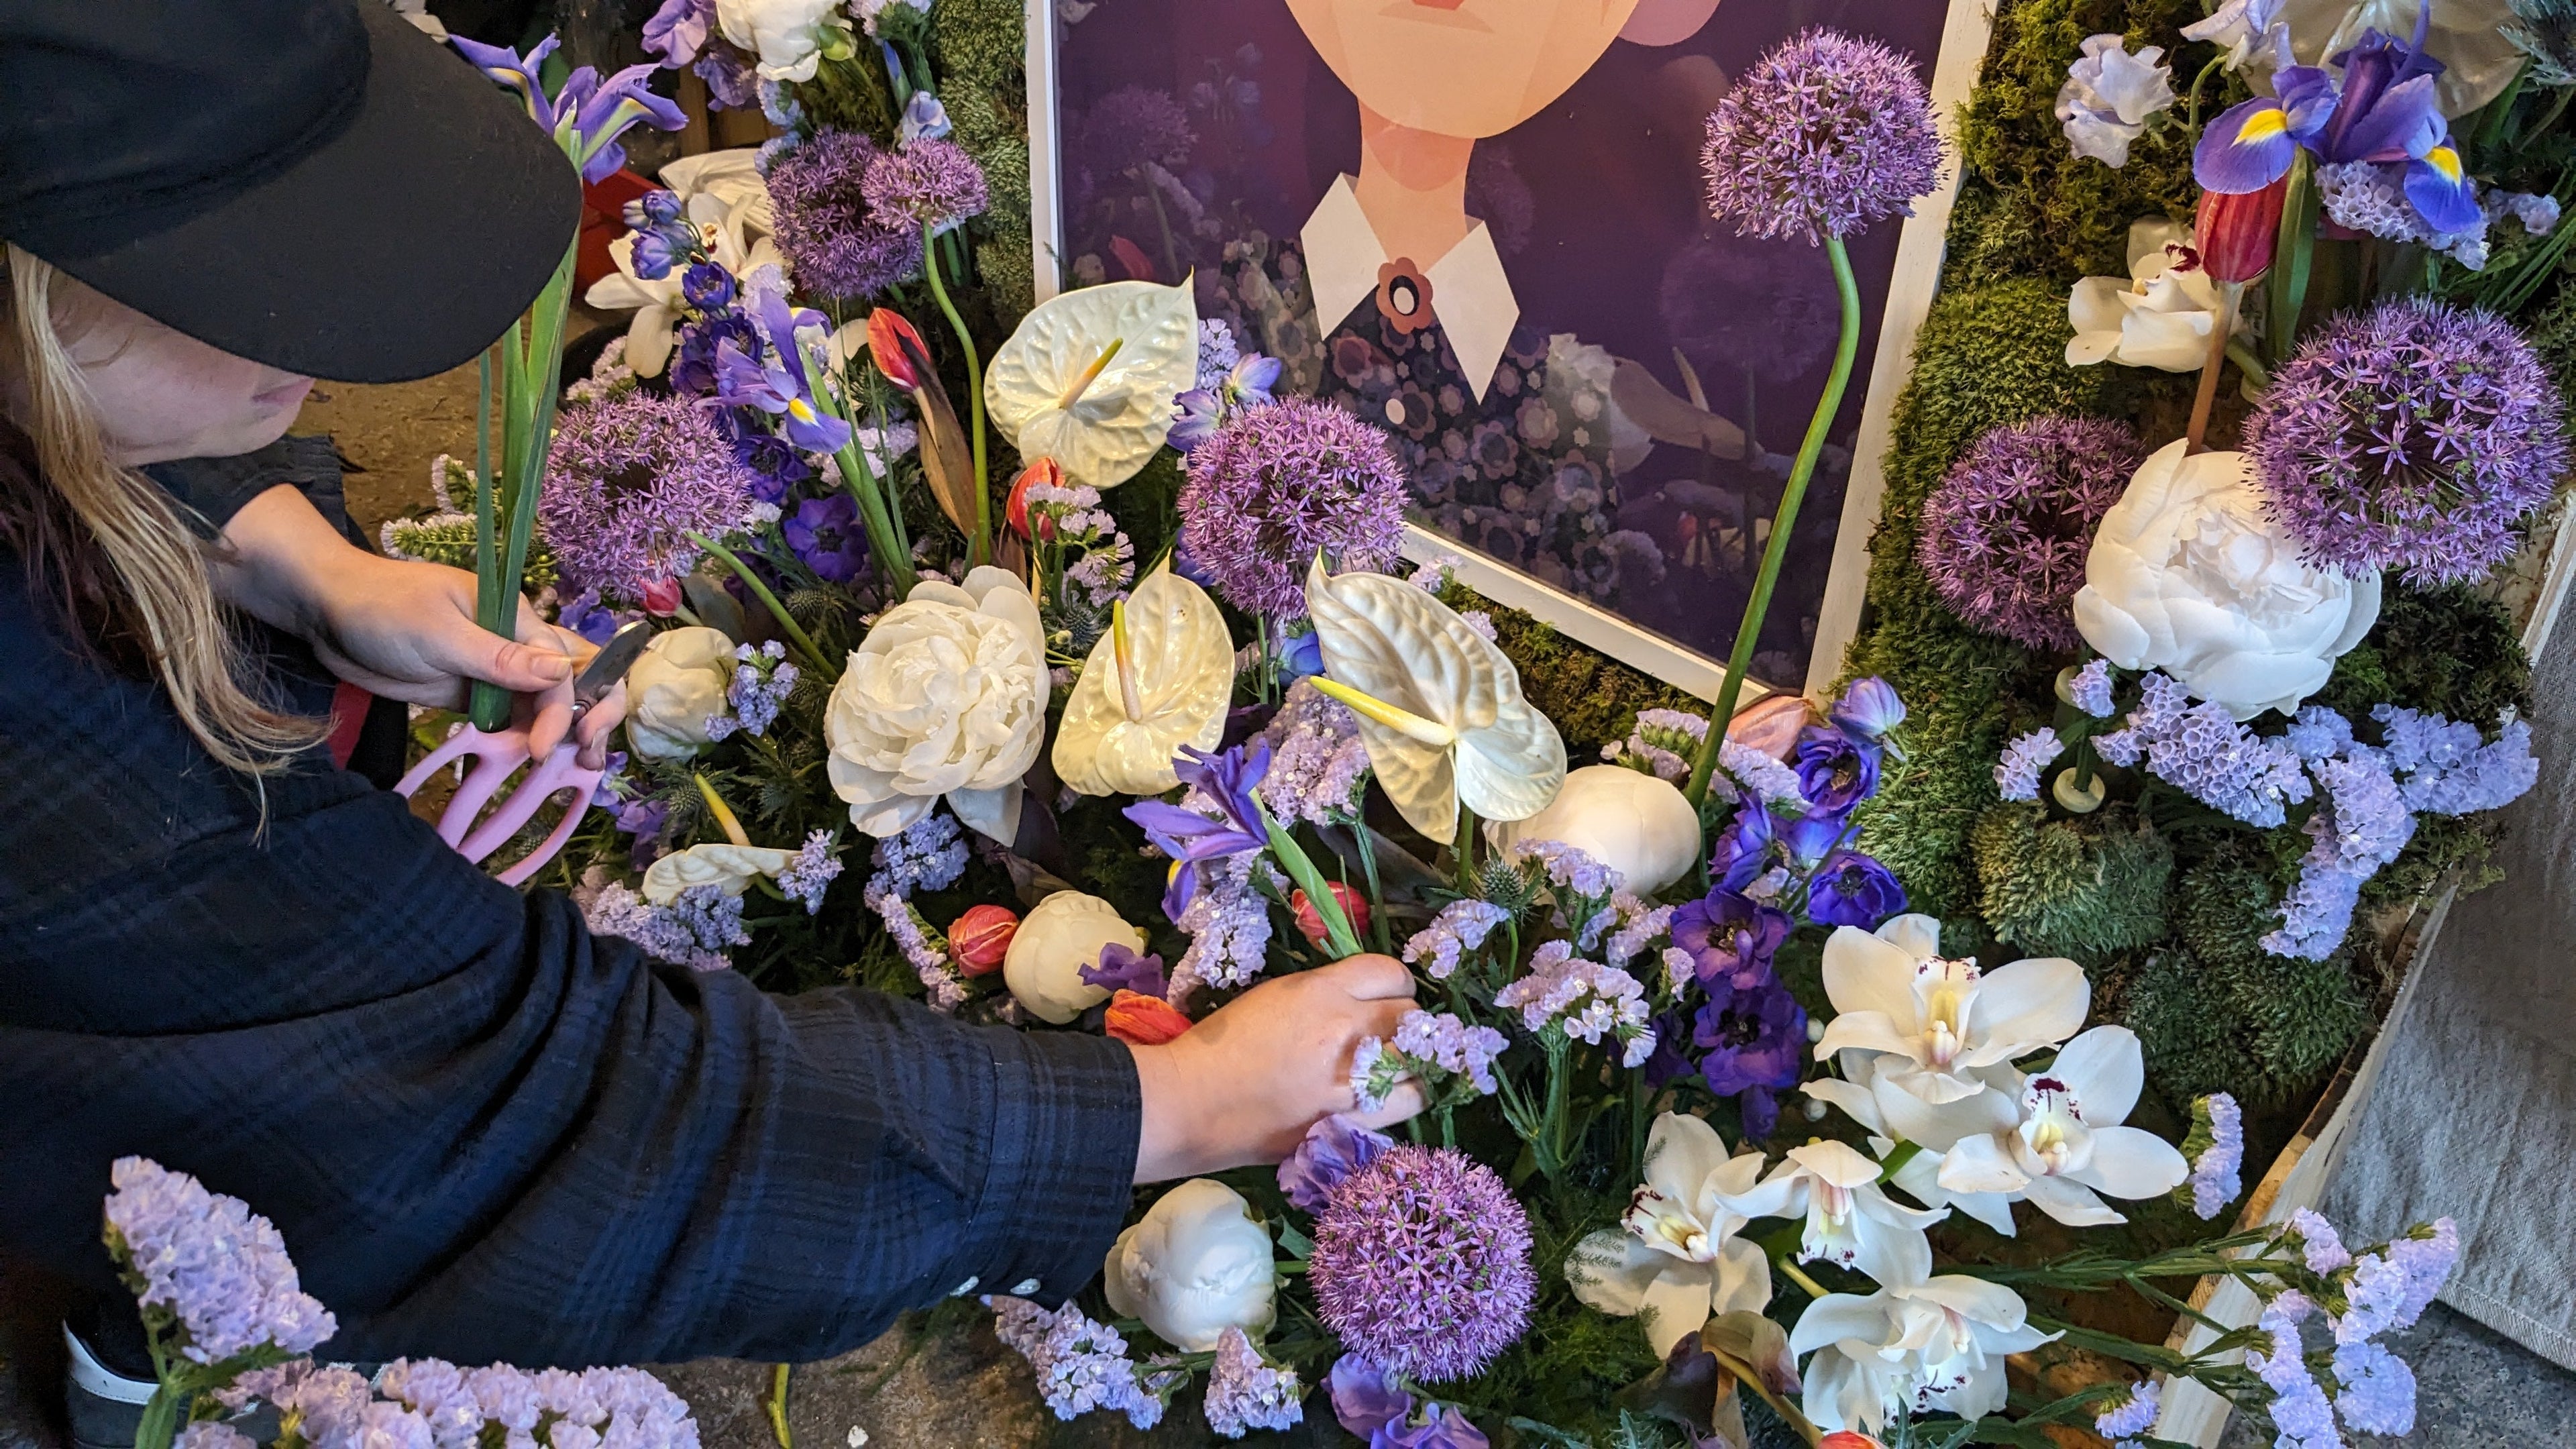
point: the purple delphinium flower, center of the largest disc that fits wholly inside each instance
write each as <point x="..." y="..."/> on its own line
<point x="1246" y="1392"/>
<point x="1743" y="849"/>
<point x="1852" y="889"/>
<point x="1460" y="927"/>
<point x="1869" y="708"/>
<point x="1334" y="1147"/>
<point x="1277" y="484"/>
<point x="924" y="119"/>
<point x="819" y="204"/>
<point x="1422" y="1264"/>
<point x="627" y="478"/>
<point x="693" y="361"/>
<point x="2214" y="1180"/>
<point x="1730" y="938"/>
<point x="1121" y="969"/>
<point x="2416" y="436"/>
<point x="2133" y="1415"/>
<point x="1199" y="412"/>
<point x="1807" y="840"/>
<point x="811" y="872"/>
<point x="825" y="533"/>
<point x="2378" y="1390"/>
<point x="217" y="1268"/>
<point x="774" y="462"/>
<point x="1755" y="1039"/>
<point x="1587" y="1001"/>
<point x="1223" y="783"/>
<point x="930" y="183"/>
<point x="1823" y="135"/>
<point x="1836" y="770"/>
<point x="2017" y="770"/>
<point x="1317" y="761"/>
<point x="1081" y="1365"/>
<point x="2004" y="537"/>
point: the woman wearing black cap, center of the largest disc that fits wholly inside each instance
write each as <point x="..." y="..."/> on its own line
<point x="483" y="1133"/>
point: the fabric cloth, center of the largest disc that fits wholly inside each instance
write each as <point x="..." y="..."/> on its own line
<point x="1469" y="292"/>
<point x="483" y="1133"/>
<point x="2475" y="1111"/>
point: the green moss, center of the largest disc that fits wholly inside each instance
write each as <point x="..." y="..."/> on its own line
<point x="978" y="48"/>
<point x="2087" y="888"/>
<point x="2448" y="651"/>
<point x="1593" y="698"/>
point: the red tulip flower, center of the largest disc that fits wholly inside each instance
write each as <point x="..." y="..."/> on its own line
<point x="2236" y="234"/>
<point x="980" y="938"/>
<point x="1141" y="1020"/>
<point x="1311" y="925"/>
<point x="1016" y="511"/>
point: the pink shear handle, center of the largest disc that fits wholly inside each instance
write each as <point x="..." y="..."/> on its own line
<point x="496" y="758"/>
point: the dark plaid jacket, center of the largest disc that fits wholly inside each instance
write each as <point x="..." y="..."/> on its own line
<point x="484" y="1133"/>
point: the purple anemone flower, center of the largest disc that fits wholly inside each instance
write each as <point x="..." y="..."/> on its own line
<point x="1225" y="781"/>
<point x="1755" y="1040"/>
<point x="1869" y="708"/>
<point x="1729" y="937"/>
<point x="1807" y="840"/>
<point x="1836" y="771"/>
<point x="826" y="534"/>
<point x="1851" y="889"/>
<point x="1334" y="1148"/>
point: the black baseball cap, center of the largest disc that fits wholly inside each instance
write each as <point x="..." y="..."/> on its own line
<point x="313" y="184"/>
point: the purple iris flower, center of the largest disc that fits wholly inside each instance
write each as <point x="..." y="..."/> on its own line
<point x="585" y="615"/>
<point x="1334" y="1148"/>
<point x="1744" y="851"/>
<point x="693" y="367"/>
<point x="607" y="109"/>
<point x="707" y="286"/>
<point x="678" y="30"/>
<point x="1851" y="889"/>
<point x="518" y="72"/>
<point x="1227" y="780"/>
<point x="825" y="533"/>
<point x="1755" y="1037"/>
<point x="1120" y="969"/>
<point x="1730" y="937"/>
<point x="1374" y="1405"/>
<point x="741" y="382"/>
<point x="1836" y="770"/>
<point x="2382" y="110"/>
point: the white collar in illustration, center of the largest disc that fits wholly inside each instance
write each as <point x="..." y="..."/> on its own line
<point x="1471" y="298"/>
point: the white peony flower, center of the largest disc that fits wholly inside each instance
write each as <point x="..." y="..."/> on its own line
<point x="2159" y="317"/>
<point x="2188" y="576"/>
<point x="677" y="685"/>
<point x="1066" y="932"/>
<point x="1932" y="1347"/>
<point x="1635" y="823"/>
<point x="1675" y="1257"/>
<point x="2109" y="96"/>
<point x="1193" y="1266"/>
<point x="728" y="867"/>
<point x="1851" y="1220"/>
<point x="785" y="35"/>
<point x="946" y="696"/>
<point x="2068" y="1148"/>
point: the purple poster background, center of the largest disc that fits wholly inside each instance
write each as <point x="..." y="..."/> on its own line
<point x="1200" y="135"/>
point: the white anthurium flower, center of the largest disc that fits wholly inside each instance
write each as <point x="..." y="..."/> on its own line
<point x="785" y="36"/>
<point x="676" y="685"/>
<point x="1932" y="1347"/>
<point x="1089" y="376"/>
<point x="1675" y="1258"/>
<point x="2160" y="317"/>
<point x="2070" y="1147"/>
<point x="2189" y="575"/>
<point x="1635" y="823"/>
<point x="1850" y="1219"/>
<point x="1160" y="678"/>
<point x="1940" y="1032"/>
<point x="1063" y="934"/>
<point x="725" y="219"/>
<point x="1193" y="1266"/>
<point x="947" y="695"/>
<point x="728" y="867"/>
<point x="1440" y="707"/>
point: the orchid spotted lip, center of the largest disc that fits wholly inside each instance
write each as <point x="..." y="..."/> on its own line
<point x="1440" y="707"/>
<point x="1089" y="376"/>
<point x="2069" y="1149"/>
<point x="2159" y="317"/>
<point x="1851" y="1220"/>
<point x="1676" y="1256"/>
<point x="1159" y="679"/>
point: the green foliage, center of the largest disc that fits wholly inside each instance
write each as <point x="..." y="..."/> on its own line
<point x="978" y="47"/>
<point x="1593" y="698"/>
<point x="2086" y="887"/>
<point x="448" y="538"/>
<point x="2448" y="651"/>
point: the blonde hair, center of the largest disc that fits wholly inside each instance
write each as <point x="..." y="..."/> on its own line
<point x="154" y="572"/>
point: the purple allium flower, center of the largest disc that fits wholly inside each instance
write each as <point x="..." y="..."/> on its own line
<point x="1317" y="762"/>
<point x="1276" y="484"/>
<point x="2133" y="1415"/>
<point x="1730" y="938"/>
<point x="1334" y="1147"/>
<point x="1823" y="135"/>
<point x="930" y="183"/>
<point x="2214" y="1180"/>
<point x="1755" y="1037"/>
<point x="2378" y="1390"/>
<point x="2017" y="771"/>
<point x="811" y="872"/>
<point x="1836" y="770"/>
<point x="2004" y="536"/>
<point x="1080" y="1365"/>
<point x="1132" y="126"/>
<point x="825" y="534"/>
<point x="209" y="1262"/>
<point x="1245" y="1392"/>
<point x="1869" y="708"/>
<point x="1587" y="1001"/>
<point x="2415" y="436"/>
<point x="820" y="210"/>
<point x="1422" y="1264"/>
<point x="1219" y="817"/>
<point x="1852" y="889"/>
<point x="1461" y="927"/>
<point x="2090" y="689"/>
<point x="626" y="479"/>
<point x="1121" y="969"/>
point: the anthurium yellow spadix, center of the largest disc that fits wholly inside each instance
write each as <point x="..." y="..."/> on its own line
<point x="1159" y="679"/>
<point x="1089" y="377"/>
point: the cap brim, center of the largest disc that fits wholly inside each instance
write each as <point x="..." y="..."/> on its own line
<point x="399" y="249"/>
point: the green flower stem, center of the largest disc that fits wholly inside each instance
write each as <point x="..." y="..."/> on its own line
<point x="804" y="642"/>
<point x="162" y="1416"/>
<point x="885" y="533"/>
<point x="1748" y="633"/>
<point x="1340" y="942"/>
<point x="532" y="378"/>
<point x="1465" y="849"/>
<point x="1377" y="895"/>
<point x="776" y="1404"/>
<point x="1789" y="1269"/>
<point x="2294" y="255"/>
<point x="981" y="545"/>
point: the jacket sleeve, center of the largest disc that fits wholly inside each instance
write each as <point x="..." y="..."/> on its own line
<point x="482" y="1132"/>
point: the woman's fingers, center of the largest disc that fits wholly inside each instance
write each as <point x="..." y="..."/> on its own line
<point x="1402" y="1104"/>
<point x="1372" y="978"/>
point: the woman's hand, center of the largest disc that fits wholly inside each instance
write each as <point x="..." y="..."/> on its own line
<point x="1245" y="1084"/>
<point x="400" y="629"/>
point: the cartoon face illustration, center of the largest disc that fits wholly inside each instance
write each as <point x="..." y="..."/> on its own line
<point x="1465" y="68"/>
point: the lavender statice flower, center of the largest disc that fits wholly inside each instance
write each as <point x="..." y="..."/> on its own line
<point x="1638" y="926"/>
<point x="1228" y="923"/>
<point x="2427" y="1254"/>
<point x="212" y="1434"/>
<point x="693" y="931"/>
<point x="819" y="205"/>
<point x="2450" y="769"/>
<point x="2202" y="751"/>
<point x="1317" y="762"/>
<point x="1246" y="1392"/>
<point x="2299" y="1408"/>
<point x="210" y="1264"/>
<point x="627" y="479"/>
<point x="1273" y="486"/>
<point x="2017" y="772"/>
<point x="930" y="183"/>
<point x="1661" y="743"/>
<point x="2378" y="1390"/>
<point x="1761" y="776"/>
<point x="1460" y="927"/>
<point x="922" y="951"/>
<point x="2362" y="827"/>
<point x="811" y="872"/>
<point x="927" y="855"/>
<point x="2217" y="1143"/>
<point x="1081" y="1365"/>
<point x="1820" y="137"/>
<point x="2090" y="689"/>
<point x="1432" y="1048"/>
<point x="324" y="1405"/>
<point x="1217" y="350"/>
<point x="1422" y="1264"/>
<point x="2415" y="436"/>
<point x="2320" y="1246"/>
<point x="2375" y="1291"/>
<point x="1569" y="869"/>
<point x="2365" y="196"/>
<point x="2317" y="732"/>
<point x="2133" y="1415"/>
<point x="2004" y="536"/>
<point x="762" y="680"/>
<point x="1582" y="999"/>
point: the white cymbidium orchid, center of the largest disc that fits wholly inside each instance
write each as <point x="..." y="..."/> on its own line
<point x="1676" y="1257"/>
<point x="1850" y="1218"/>
<point x="1159" y="679"/>
<point x="727" y="203"/>
<point x="2069" y="1147"/>
<point x="1089" y="376"/>
<point x="2159" y="316"/>
<point x="1440" y="707"/>
<point x="1931" y="1347"/>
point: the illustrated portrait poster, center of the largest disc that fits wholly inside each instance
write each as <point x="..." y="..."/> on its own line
<point x="1480" y="225"/>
